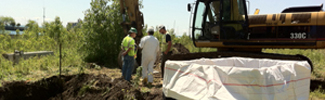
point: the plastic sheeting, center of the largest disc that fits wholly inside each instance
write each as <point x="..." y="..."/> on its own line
<point x="237" y="78"/>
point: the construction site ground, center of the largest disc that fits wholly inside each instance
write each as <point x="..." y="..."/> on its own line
<point x="96" y="83"/>
<point x="105" y="83"/>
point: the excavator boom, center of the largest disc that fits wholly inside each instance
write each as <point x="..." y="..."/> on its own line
<point x="131" y="9"/>
<point x="132" y="17"/>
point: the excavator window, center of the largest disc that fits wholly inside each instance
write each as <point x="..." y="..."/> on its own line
<point x="207" y="21"/>
<point x="217" y="20"/>
<point x="198" y="23"/>
<point x="233" y="19"/>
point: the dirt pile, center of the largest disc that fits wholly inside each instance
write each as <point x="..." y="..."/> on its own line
<point x="40" y="90"/>
<point x="180" y="49"/>
<point x="82" y="86"/>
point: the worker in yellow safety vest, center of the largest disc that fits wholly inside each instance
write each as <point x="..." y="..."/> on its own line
<point x="129" y="54"/>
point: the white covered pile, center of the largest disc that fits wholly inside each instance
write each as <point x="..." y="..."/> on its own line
<point x="237" y="78"/>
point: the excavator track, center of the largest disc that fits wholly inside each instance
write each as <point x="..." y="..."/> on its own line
<point x="222" y="54"/>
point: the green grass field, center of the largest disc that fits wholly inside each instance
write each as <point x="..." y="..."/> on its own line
<point x="37" y="67"/>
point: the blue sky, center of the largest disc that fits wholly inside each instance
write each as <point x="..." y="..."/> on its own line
<point x="172" y="13"/>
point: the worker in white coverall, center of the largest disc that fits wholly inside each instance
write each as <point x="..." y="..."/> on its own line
<point x="150" y="48"/>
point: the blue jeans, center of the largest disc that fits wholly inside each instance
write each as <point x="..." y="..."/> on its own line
<point x="128" y="62"/>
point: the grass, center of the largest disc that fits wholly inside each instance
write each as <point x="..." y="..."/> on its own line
<point x="37" y="68"/>
<point x="317" y="95"/>
<point x="144" y="90"/>
<point x="316" y="56"/>
<point x="34" y="69"/>
<point x="88" y="86"/>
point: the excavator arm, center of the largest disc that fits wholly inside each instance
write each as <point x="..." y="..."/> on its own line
<point x="130" y="9"/>
<point x="132" y="17"/>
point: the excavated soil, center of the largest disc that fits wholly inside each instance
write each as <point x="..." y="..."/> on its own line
<point x="180" y="49"/>
<point x="76" y="87"/>
<point x="88" y="87"/>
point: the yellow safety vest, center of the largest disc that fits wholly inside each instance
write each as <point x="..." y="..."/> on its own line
<point x="128" y="42"/>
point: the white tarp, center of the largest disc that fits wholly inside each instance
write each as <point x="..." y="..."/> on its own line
<point x="237" y="78"/>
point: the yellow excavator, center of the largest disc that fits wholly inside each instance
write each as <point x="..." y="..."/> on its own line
<point x="225" y="25"/>
<point x="130" y="8"/>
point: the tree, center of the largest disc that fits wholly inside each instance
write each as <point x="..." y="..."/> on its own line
<point x="12" y="23"/>
<point x="18" y="24"/>
<point x="2" y="28"/>
<point x="55" y="30"/>
<point x="32" y="27"/>
<point x="69" y="26"/>
<point x="7" y="21"/>
<point x="103" y="34"/>
<point x="17" y="32"/>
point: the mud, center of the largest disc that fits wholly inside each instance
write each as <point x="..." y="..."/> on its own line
<point x="76" y="87"/>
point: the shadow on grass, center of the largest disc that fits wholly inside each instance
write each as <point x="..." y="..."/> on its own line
<point x="317" y="84"/>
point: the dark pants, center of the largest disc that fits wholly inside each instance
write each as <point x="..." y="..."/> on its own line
<point x="127" y="67"/>
<point x="163" y="60"/>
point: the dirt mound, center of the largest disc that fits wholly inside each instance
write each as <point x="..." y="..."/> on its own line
<point x="82" y="86"/>
<point x="180" y="49"/>
<point x="40" y="90"/>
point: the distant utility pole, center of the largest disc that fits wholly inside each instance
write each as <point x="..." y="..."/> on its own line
<point x="43" y="11"/>
<point x="43" y="14"/>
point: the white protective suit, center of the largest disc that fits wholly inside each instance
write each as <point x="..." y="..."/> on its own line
<point x="150" y="48"/>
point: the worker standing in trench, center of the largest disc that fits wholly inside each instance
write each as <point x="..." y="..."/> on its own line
<point x="166" y="48"/>
<point x="129" y="54"/>
<point x="150" y="48"/>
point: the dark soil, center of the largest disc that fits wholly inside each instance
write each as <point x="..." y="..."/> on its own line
<point x="75" y="87"/>
<point x="181" y="49"/>
<point x="87" y="87"/>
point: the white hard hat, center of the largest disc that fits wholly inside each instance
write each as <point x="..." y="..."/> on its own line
<point x="151" y="29"/>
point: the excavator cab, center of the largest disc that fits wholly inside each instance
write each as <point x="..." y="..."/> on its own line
<point x="219" y="20"/>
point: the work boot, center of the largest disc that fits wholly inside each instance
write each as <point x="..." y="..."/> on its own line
<point x="144" y="81"/>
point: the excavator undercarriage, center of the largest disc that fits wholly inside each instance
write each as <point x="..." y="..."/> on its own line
<point x="222" y="54"/>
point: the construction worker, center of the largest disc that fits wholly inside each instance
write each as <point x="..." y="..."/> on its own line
<point x="129" y="54"/>
<point x="166" y="48"/>
<point x="150" y="48"/>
